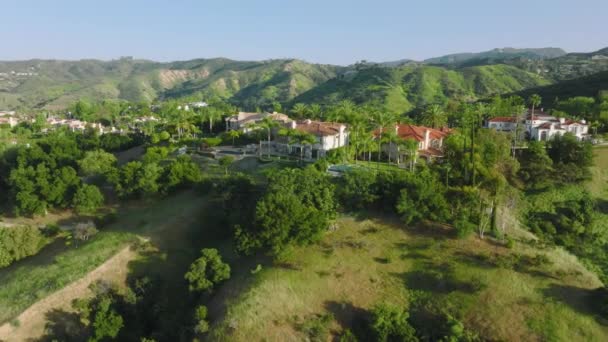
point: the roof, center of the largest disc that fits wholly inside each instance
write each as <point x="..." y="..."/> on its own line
<point x="244" y="117"/>
<point x="319" y="128"/>
<point x="407" y="131"/>
<point x="503" y="119"/>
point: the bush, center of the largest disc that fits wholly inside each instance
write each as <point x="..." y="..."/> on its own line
<point x="19" y="242"/>
<point x="390" y="323"/>
<point x="207" y="271"/>
<point x="87" y="199"/>
<point x="317" y="328"/>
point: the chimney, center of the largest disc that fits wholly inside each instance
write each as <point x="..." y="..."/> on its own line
<point x="293" y="124"/>
<point x="427" y="134"/>
<point x="562" y="120"/>
<point x="307" y="121"/>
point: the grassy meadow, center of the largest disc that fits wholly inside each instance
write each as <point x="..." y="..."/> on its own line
<point x="493" y="290"/>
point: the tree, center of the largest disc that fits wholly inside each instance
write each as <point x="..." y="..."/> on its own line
<point x="381" y="120"/>
<point x="537" y="166"/>
<point x="207" y="271"/>
<point x="434" y="116"/>
<point x="300" y="110"/>
<point x="304" y="139"/>
<point x="295" y="210"/>
<point x="87" y="199"/>
<point x="266" y="124"/>
<point x="183" y="171"/>
<point x="106" y="322"/>
<point x="225" y="162"/>
<point x="422" y="197"/>
<point x="390" y="323"/>
<point x="200" y="318"/>
<point x="96" y="163"/>
<point x="534" y="101"/>
<point x="233" y="134"/>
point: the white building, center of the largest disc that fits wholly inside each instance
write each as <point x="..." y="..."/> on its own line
<point x="502" y="123"/>
<point x="244" y="121"/>
<point x="328" y="136"/>
<point x="542" y="126"/>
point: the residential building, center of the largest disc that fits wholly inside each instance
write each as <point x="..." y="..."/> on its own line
<point x="244" y="121"/>
<point x="328" y="136"/>
<point x="542" y="126"/>
<point x="430" y="141"/>
<point x="502" y="123"/>
<point x="9" y="120"/>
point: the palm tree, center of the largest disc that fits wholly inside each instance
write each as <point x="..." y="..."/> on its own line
<point x="211" y="114"/>
<point x="299" y="110"/>
<point x="389" y="136"/>
<point x="315" y="111"/>
<point x="266" y="124"/>
<point x="305" y="139"/>
<point x="290" y="134"/>
<point x="411" y="147"/>
<point x="534" y="100"/>
<point x="368" y="144"/>
<point x="234" y="134"/>
<point x="381" y="120"/>
<point x="434" y="116"/>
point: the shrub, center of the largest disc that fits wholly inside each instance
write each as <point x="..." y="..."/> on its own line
<point x="207" y="271"/>
<point x="317" y="328"/>
<point x="390" y="323"/>
<point x="19" y="242"/>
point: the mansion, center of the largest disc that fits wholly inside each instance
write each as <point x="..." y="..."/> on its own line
<point x="541" y="126"/>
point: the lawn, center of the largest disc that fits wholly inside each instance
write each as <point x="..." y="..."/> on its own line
<point x="36" y="277"/>
<point x="368" y="261"/>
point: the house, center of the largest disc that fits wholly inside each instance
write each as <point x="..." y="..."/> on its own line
<point x="541" y="126"/>
<point x="502" y="123"/>
<point x="10" y="121"/>
<point x="244" y="121"/>
<point x="328" y="136"/>
<point x="430" y="141"/>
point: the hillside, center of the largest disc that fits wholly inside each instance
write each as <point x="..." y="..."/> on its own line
<point x="405" y="88"/>
<point x="55" y="84"/>
<point x="400" y="85"/>
<point x="497" y="54"/>
<point x="498" y="292"/>
<point x="590" y="85"/>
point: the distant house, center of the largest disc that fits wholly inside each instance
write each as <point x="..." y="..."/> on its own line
<point x="328" y="136"/>
<point x="10" y="121"/>
<point x="503" y="123"/>
<point x="430" y="140"/>
<point x="244" y="121"/>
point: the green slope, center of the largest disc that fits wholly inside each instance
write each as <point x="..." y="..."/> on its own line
<point x="404" y="88"/>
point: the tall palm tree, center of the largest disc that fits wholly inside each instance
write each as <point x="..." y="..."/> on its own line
<point x="367" y="144"/>
<point x="266" y="124"/>
<point x="290" y="135"/>
<point x="305" y="139"/>
<point x="534" y="100"/>
<point x="381" y="120"/>
<point x="434" y="116"/>
<point x="411" y="147"/>
<point x="389" y="136"/>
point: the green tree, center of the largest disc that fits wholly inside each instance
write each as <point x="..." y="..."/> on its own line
<point x="106" y="322"/>
<point x="225" y="162"/>
<point x="96" y="163"/>
<point x="434" y="116"/>
<point x="534" y="101"/>
<point x="390" y="323"/>
<point x="233" y="134"/>
<point x="87" y="199"/>
<point x="300" y="110"/>
<point x="207" y="271"/>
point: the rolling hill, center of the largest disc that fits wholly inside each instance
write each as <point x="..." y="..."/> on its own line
<point x="401" y="85"/>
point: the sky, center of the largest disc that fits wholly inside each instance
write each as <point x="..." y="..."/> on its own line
<point x="320" y="31"/>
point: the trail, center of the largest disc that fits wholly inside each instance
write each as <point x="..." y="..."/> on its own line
<point x="33" y="319"/>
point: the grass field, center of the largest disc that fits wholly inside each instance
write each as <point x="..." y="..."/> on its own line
<point x="368" y="261"/>
<point x="34" y="278"/>
<point x="599" y="173"/>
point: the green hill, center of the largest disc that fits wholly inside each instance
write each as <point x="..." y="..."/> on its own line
<point x="400" y="86"/>
<point x="503" y="53"/>
<point x="404" y="88"/>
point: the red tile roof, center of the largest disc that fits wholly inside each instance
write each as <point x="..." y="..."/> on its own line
<point x="407" y="131"/>
<point x="319" y="128"/>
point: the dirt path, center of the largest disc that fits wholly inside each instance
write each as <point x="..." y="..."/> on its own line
<point x="32" y="320"/>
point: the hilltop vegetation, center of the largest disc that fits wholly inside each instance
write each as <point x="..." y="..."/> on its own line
<point x="400" y="86"/>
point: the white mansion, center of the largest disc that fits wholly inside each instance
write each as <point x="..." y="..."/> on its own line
<point x="541" y="126"/>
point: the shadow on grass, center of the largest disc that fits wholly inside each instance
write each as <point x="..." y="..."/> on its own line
<point x="584" y="301"/>
<point x="63" y="326"/>
<point x="350" y="317"/>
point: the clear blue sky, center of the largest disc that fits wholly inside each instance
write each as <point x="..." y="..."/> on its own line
<point x="328" y="31"/>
